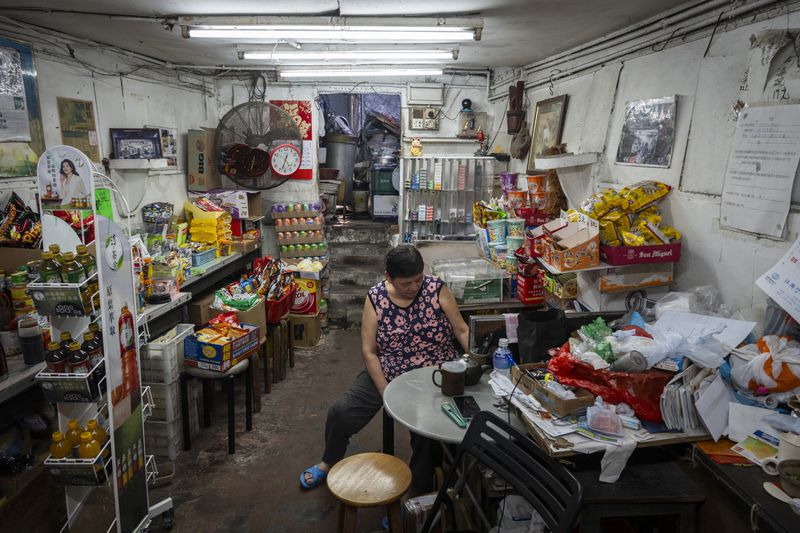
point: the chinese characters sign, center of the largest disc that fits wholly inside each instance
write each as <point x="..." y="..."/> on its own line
<point x="782" y="282"/>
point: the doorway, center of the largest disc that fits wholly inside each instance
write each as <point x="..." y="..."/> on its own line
<point x="362" y="141"/>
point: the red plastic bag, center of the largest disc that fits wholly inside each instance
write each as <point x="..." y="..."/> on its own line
<point x="642" y="391"/>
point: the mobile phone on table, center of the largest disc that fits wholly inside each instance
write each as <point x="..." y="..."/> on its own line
<point x="467" y="406"/>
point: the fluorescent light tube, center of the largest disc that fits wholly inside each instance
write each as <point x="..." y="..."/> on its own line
<point x="336" y="34"/>
<point x="387" y="57"/>
<point x="364" y="73"/>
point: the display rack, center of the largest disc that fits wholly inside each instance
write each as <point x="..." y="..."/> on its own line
<point x="111" y="391"/>
<point x="437" y="194"/>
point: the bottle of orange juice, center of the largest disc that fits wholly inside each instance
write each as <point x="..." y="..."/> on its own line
<point x="60" y="448"/>
<point x="74" y="433"/>
<point x="89" y="449"/>
<point x="99" y="434"/>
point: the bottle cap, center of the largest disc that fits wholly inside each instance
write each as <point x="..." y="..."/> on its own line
<point x="69" y="256"/>
<point x="57" y="436"/>
<point x="54" y="248"/>
<point x="72" y="424"/>
<point x="47" y="256"/>
<point x="503" y="343"/>
<point x="86" y="437"/>
<point x="74" y="347"/>
<point x="91" y="424"/>
<point x="53" y="346"/>
<point x="82" y="249"/>
<point x="65" y="335"/>
<point x="88" y="336"/>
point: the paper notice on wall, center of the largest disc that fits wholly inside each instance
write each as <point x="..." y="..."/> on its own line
<point x="761" y="170"/>
<point x="14" y="122"/>
<point x="782" y="282"/>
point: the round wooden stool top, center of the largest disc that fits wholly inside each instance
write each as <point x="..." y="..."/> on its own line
<point x="369" y="479"/>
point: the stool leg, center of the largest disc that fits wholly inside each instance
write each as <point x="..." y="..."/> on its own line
<point x="248" y="397"/>
<point x="388" y="434"/>
<point x="394" y="516"/>
<point x="273" y="346"/>
<point x="187" y="443"/>
<point x="231" y="421"/>
<point x="255" y="377"/>
<point x="264" y="352"/>
<point x="347" y="518"/>
<point x="206" y="403"/>
<point x="283" y="338"/>
<point x="290" y="342"/>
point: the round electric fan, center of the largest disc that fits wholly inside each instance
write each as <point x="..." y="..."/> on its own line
<point x="257" y="143"/>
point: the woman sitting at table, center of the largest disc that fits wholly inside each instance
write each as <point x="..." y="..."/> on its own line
<point x="408" y="322"/>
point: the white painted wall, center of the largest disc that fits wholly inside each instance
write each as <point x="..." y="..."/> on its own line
<point x="121" y="102"/>
<point x="707" y="88"/>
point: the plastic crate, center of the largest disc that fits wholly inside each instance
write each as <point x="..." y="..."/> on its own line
<point x="166" y="401"/>
<point x="162" y="358"/>
<point x="204" y="257"/>
<point x="165" y="439"/>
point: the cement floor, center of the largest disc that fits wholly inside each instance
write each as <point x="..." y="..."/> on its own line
<point x="257" y="489"/>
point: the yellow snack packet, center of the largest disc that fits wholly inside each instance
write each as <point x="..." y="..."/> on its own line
<point x="597" y="205"/>
<point x="643" y="194"/>
<point x="671" y="233"/>
<point x="633" y="238"/>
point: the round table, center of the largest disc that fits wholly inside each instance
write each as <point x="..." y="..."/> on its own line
<point x="414" y="401"/>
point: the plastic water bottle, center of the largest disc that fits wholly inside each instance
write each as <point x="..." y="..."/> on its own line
<point x="501" y="360"/>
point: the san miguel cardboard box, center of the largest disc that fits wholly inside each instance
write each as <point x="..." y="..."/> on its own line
<point x="202" y="173"/>
<point x="305" y="330"/>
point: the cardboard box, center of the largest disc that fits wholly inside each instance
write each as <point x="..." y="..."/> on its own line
<point x="634" y="255"/>
<point x="549" y="400"/>
<point x="202" y="172"/>
<point x="573" y="246"/>
<point x="240" y="203"/>
<point x="306" y="297"/>
<point x="530" y="289"/>
<point x="220" y="357"/>
<point x="256" y="315"/>
<point x="385" y="207"/>
<point x="200" y="308"/>
<point x="305" y="330"/>
<point x="590" y="296"/>
<point x="633" y="277"/>
<point x="244" y="247"/>
<point x="11" y="258"/>
<point x="563" y="286"/>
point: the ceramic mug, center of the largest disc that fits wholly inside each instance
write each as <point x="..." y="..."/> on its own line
<point x="453" y="373"/>
<point x="788" y="448"/>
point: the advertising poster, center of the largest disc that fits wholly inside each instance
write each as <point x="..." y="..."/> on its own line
<point x="300" y="111"/>
<point x="122" y="374"/>
<point x="65" y="188"/>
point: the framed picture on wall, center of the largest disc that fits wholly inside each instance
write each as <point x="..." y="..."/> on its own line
<point x="136" y="143"/>
<point x="548" y="124"/>
<point x="648" y="133"/>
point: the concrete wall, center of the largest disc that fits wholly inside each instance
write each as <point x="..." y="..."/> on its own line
<point x="707" y="88"/>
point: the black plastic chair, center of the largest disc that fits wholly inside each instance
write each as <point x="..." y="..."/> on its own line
<point x="543" y="482"/>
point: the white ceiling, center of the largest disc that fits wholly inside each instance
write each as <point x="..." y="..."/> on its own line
<point x="516" y="32"/>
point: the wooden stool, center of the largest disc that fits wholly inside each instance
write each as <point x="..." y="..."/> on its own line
<point x="369" y="480"/>
<point x="658" y="489"/>
<point x="229" y="378"/>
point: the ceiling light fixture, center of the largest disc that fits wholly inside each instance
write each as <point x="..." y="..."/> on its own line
<point x="362" y="73"/>
<point x="334" y="29"/>
<point x="316" y="57"/>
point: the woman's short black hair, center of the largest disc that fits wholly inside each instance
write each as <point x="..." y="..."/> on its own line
<point x="404" y="261"/>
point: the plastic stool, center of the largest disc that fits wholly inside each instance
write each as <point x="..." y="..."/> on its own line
<point x="369" y="480"/>
<point x="229" y="378"/>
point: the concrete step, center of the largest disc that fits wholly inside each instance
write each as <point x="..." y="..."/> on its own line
<point x="347" y="276"/>
<point x="372" y="258"/>
<point x="357" y="232"/>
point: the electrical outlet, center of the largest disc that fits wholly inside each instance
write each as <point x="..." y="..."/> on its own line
<point x="431" y="124"/>
<point x="417" y="124"/>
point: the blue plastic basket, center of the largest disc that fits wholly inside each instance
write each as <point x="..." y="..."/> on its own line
<point x="204" y="257"/>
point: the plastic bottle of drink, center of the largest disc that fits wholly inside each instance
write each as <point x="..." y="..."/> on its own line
<point x="60" y="448"/>
<point x="502" y="358"/>
<point x="92" y="348"/>
<point x="56" y="251"/>
<point x="66" y="340"/>
<point x="49" y="271"/>
<point x="89" y="449"/>
<point x="78" y="362"/>
<point x="89" y="265"/>
<point x="99" y="434"/>
<point x="73" y="433"/>
<point x="56" y="358"/>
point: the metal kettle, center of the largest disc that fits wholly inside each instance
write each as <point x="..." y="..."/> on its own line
<point x="474" y="369"/>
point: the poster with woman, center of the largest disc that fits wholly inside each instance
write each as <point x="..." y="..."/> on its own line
<point x="65" y="175"/>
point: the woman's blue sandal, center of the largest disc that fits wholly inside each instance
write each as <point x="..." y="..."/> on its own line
<point x="317" y="477"/>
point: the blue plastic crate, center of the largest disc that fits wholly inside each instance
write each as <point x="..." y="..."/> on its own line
<point x="204" y="257"/>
